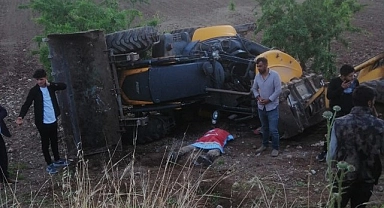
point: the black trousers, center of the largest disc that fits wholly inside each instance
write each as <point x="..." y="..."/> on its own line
<point x="48" y="134"/>
<point x="3" y="160"/>
<point x="358" y="192"/>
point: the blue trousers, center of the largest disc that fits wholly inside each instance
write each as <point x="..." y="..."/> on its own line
<point x="269" y="127"/>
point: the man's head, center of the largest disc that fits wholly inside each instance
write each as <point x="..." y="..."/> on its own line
<point x="347" y="72"/>
<point x="364" y="96"/>
<point x="41" y="77"/>
<point x="262" y="65"/>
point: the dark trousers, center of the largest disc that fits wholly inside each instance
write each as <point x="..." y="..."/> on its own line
<point x="358" y="192"/>
<point x="269" y="127"/>
<point x="3" y="160"/>
<point x="48" y="134"/>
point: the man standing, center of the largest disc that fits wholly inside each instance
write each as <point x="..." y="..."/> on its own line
<point x="358" y="139"/>
<point x="4" y="175"/>
<point x="339" y="92"/>
<point x="266" y="89"/>
<point x="46" y="111"/>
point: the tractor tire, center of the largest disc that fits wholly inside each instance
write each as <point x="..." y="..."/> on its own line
<point x="156" y="129"/>
<point x="190" y="31"/>
<point x="378" y="85"/>
<point x="133" y="40"/>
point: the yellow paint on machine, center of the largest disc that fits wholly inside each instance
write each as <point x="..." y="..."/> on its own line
<point x="284" y="64"/>
<point x="207" y="33"/>
<point x="369" y="70"/>
<point x="372" y="69"/>
<point x="125" y="98"/>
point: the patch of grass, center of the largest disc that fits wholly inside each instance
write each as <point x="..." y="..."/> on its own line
<point x="232" y="6"/>
<point x="220" y="162"/>
<point x="14" y="170"/>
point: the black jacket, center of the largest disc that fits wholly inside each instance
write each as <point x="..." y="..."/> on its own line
<point x="4" y="129"/>
<point x="336" y="96"/>
<point x="36" y="96"/>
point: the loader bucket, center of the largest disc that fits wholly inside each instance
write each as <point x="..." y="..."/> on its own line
<point x="89" y="108"/>
<point x="302" y="104"/>
<point x="372" y="69"/>
<point x="371" y="73"/>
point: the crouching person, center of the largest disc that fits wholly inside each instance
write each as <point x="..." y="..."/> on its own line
<point x="357" y="139"/>
<point x="211" y="144"/>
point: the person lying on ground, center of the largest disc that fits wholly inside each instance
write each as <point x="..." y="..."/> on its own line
<point x="211" y="144"/>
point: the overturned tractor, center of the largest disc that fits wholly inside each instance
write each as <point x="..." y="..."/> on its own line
<point x="152" y="77"/>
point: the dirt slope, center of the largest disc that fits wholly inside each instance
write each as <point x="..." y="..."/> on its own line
<point x="297" y="158"/>
<point x="176" y="14"/>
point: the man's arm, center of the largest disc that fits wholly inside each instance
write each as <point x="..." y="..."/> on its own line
<point x="27" y="104"/>
<point x="334" y="90"/>
<point x="57" y="85"/>
<point x="277" y="87"/>
<point x="255" y="88"/>
<point x="3" y="112"/>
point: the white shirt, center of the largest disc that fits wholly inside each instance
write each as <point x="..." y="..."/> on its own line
<point x="268" y="88"/>
<point x="48" y="111"/>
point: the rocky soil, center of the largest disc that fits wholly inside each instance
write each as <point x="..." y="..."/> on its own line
<point x="295" y="173"/>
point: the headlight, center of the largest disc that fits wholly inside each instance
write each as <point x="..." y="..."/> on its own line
<point x="215" y="116"/>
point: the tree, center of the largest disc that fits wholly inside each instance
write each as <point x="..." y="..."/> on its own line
<point x="306" y="30"/>
<point x="68" y="16"/>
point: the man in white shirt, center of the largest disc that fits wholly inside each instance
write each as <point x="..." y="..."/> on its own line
<point x="266" y="89"/>
<point x="46" y="111"/>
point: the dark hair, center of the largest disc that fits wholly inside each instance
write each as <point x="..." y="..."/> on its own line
<point x="362" y="94"/>
<point x="263" y="60"/>
<point x="346" y="69"/>
<point x="40" y="73"/>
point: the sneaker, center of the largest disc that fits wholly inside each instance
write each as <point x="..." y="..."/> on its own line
<point x="275" y="153"/>
<point x="204" y="160"/>
<point x="321" y="156"/>
<point x="60" y="163"/>
<point x="261" y="149"/>
<point x="51" y="169"/>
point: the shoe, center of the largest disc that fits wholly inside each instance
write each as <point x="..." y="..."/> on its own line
<point x="60" y="163"/>
<point x="261" y="149"/>
<point x="204" y="160"/>
<point x="275" y="153"/>
<point x="51" y="169"/>
<point x="321" y="157"/>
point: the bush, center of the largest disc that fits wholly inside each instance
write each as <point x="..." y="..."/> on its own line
<point x="68" y="16"/>
<point x="306" y="30"/>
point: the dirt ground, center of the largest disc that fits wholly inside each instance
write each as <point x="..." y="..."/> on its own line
<point x="297" y="176"/>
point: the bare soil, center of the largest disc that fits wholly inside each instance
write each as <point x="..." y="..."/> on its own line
<point x="295" y="177"/>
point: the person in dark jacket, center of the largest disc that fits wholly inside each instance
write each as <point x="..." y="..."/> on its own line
<point x="339" y="92"/>
<point x="358" y="140"/>
<point x="4" y="174"/>
<point x="46" y="110"/>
